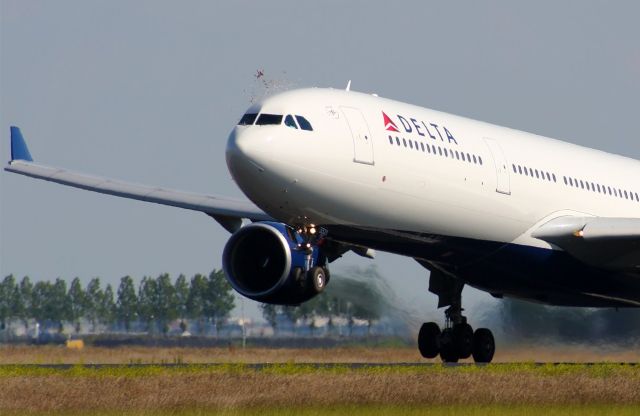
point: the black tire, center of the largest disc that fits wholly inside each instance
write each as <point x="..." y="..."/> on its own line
<point x="298" y="277"/>
<point x="448" y="351"/>
<point x="484" y="345"/>
<point x="327" y="274"/>
<point x="463" y="340"/>
<point x="429" y="340"/>
<point x="317" y="279"/>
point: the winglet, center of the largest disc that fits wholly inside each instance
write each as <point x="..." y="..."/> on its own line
<point x="19" y="149"/>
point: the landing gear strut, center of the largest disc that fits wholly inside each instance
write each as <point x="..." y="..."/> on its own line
<point x="457" y="340"/>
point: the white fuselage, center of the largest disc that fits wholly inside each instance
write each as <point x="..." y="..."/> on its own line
<point x="356" y="171"/>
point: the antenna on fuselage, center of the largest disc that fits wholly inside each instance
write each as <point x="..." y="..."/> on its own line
<point x="348" y="86"/>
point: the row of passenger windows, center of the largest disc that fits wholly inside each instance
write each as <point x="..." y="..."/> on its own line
<point x="436" y="150"/>
<point x="602" y="189"/>
<point x="534" y="173"/>
<point x="265" y="119"/>
<point x="576" y="183"/>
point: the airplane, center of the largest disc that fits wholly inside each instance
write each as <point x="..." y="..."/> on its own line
<point x="327" y="171"/>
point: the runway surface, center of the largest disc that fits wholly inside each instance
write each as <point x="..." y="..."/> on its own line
<point x="262" y="366"/>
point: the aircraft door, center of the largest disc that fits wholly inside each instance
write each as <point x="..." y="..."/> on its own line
<point x="503" y="185"/>
<point x="362" y="140"/>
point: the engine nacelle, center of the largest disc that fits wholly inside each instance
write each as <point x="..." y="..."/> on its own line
<point x="268" y="262"/>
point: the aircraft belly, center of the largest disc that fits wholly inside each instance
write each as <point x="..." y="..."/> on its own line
<point x="550" y="276"/>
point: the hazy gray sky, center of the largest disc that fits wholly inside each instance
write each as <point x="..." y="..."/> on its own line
<point x="147" y="91"/>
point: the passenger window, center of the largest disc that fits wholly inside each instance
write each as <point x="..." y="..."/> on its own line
<point x="553" y="175"/>
<point x="445" y="152"/>
<point x="474" y="159"/>
<point x="514" y="168"/>
<point x="422" y="146"/>
<point x="520" y="169"/>
<point x="390" y="138"/>
<point x="480" y="160"/>
<point x="397" y="141"/>
<point x="570" y="181"/>
<point x="290" y="122"/>
<point x="411" y="144"/>
<point x="248" y="119"/>
<point x="537" y="176"/>
<point x="428" y="148"/>
<point x="440" y="150"/>
<point x="565" y="179"/>
<point x="304" y="123"/>
<point x="269" y="119"/>
<point x="462" y="155"/>
<point x="625" y="195"/>
<point x="404" y="141"/>
<point x="548" y="177"/>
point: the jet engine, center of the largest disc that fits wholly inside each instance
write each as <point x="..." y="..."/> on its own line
<point x="272" y="263"/>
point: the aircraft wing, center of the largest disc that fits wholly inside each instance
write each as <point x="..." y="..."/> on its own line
<point x="608" y="243"/>
<point x="229" y="212"/>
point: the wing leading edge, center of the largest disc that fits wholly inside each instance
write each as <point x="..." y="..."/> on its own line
<point x="229" y="212"/>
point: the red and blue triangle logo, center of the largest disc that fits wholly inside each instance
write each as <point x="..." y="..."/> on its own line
<point x="388" y="124"/>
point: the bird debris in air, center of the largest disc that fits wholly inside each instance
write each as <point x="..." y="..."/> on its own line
<point x="265" y="86"/>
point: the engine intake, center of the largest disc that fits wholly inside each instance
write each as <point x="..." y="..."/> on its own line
<point x="268" y="261"/>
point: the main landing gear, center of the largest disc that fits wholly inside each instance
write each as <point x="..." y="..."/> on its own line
<point x="457" y="340"/>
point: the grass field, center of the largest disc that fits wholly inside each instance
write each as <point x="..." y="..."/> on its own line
<point x="155" y="355"/>
<point x="290" y="388"/>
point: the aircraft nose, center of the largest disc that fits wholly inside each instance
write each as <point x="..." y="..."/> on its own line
<point x="247" y="150"/>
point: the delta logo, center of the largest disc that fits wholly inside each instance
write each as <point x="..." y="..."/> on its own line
<point x="419" y="127"/>
<point x="388" y="124"/>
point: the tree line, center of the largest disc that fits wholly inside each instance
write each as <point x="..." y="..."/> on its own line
<point x="199" y="303"/>
<point x="154" y="303"/>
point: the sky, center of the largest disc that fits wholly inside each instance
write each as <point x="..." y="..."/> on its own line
<point x="148" y="91"/>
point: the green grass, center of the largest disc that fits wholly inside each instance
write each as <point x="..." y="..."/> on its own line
<point x="552" y="370"/>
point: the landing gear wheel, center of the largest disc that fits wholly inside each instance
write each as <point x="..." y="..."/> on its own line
<point x="298" y="277"/>
<point x="484" y="345"/>
<point x="462" y="335"/>
<point x="429" y="340"/>
<point x="317" y="279"/>
<point x="448" y="350"/>
<point x="327" y="274"/>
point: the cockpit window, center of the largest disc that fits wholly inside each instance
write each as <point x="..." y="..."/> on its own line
<point x="304" y="123"/>
<point x="266" y="119"/>
<point x="290" y="122"/>
<point x="247" y="119"/>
